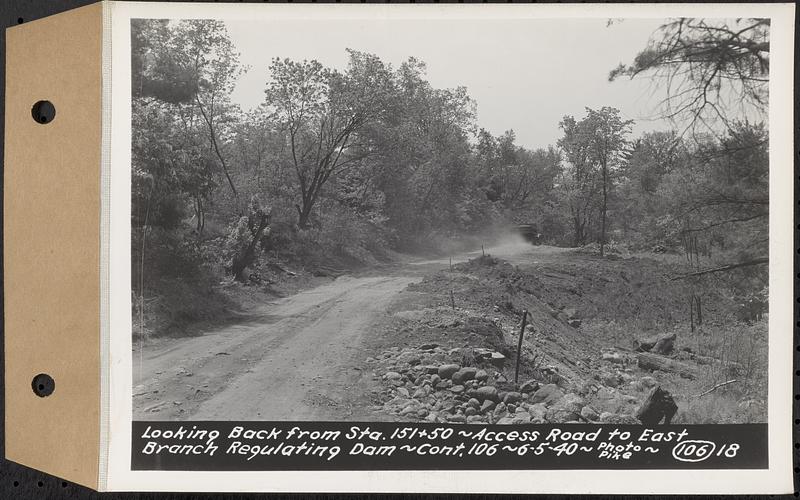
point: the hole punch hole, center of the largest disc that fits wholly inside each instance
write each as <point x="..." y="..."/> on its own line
<point x="43" y="385"/>
<point x="43" y="112"/>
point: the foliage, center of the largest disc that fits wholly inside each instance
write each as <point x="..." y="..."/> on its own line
<point x="711" y="68"/>
<point x="339" y="167"/>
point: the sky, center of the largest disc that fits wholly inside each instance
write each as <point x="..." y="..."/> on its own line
<point x="523" y="74"/>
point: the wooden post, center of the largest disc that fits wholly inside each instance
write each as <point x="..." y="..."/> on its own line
<point x="691" y="312"/>
<point x="519" y="344"/>
<point x="452" y="300"/>
<point x="451" y="264"/>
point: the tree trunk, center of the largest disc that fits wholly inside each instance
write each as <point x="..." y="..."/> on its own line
<point x="603" y="211"/>
<point x="652" y="362"/>
<point x="246" y="257"/>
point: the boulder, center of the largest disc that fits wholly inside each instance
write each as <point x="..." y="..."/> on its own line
<point x="512" y="397"/>
<point x="589" y="413"/>
<point x="447" y="371"/>
<point x="547" y="394"/>
<point x="428" y="347"/>
<point x="657" y="344"/>
<point x="522" y="417"/>
<point x="419" y="393"/>
<point x="487" y="406"/>
<point x="487" y="392"/>
<point x="529" y="386"/>
<point x="537" y="411"/>
<point x="392" y="376"/>
<point x="457" y="389"/>
<point x="566" y="409"/>
<point x="497" y="359"/>
<point x="481" y="376"/>
<point x="431" y="369"/>
<point x="463" y="375"/>
<point x="659" y="405"/>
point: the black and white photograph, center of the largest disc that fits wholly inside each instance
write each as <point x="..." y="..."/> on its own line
<point x="466" y="221"/>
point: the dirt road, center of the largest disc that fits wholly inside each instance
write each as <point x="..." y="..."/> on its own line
<point x="298" y="358"/>
<point x="288" y="362"/>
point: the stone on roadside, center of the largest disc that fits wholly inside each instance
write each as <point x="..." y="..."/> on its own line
<point x="522" y="417"/>
<point x="487" y="405"/>
<point x="589" y="413"/>
<point x="447" y="371"/>
<point x="512" y="397"/>
<point x="464" y="374"/>
<point x="537" y="411"/>
<point x="457" y="389"/>
<point x="392" y="376"/>
<point x="481" y="376"/>
<point x="487" y="392"/>
<point x="529" y="386"/>
<point x="474" y="403"/>
<point x="547" y="394"/>
<point x="497" y="359"/>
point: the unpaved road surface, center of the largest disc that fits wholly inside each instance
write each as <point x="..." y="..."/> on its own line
<point x="288" y="363"/>
<point x="297" y="358"/>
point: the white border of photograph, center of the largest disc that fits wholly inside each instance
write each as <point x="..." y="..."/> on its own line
<point x="776" y="479"/>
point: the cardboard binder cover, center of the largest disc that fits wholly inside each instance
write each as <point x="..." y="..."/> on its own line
<point x="52" y="243"/>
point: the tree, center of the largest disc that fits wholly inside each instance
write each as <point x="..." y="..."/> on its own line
<point x="608" y="140"/>
<point x="594" y="146"/>
<point x="709" y="66"/>
<point x="322" y="112"/>
<point x="579" y="178"/>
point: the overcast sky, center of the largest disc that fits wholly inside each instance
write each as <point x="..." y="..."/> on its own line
<point x="524" y="74"/>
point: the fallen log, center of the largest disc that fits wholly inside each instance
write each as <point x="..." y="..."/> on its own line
<point x="731" y="367"/>
<point x="649" y="361"/>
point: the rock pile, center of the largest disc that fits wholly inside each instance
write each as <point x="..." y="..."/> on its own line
<point x="430" y="384"/>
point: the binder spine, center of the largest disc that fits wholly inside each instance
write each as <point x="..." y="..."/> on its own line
<point x="105" y="228"/>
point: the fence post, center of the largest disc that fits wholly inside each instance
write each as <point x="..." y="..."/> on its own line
<point x="519" y="344"/>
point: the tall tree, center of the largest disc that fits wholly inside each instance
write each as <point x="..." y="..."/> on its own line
<point x="322" y="113"/>
<point x="595" y="147"/>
